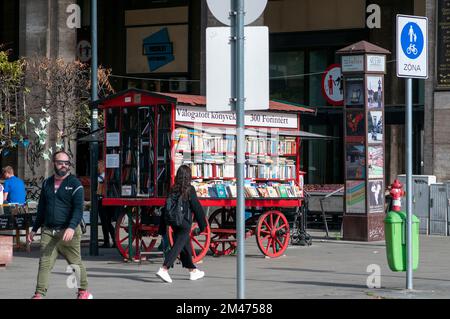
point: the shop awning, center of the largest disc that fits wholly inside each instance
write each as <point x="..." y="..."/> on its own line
<point x="200" y="100"/>
<point x="255" y="132"/>
<point x="135" y="96"/>
<point x="99" y="135"/>
<point x="307" y="135"/>
<point x="96" y="136"/>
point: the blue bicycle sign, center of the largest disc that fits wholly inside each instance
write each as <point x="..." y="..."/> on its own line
<point x="412" y="46"/>
<point x="412" y="40"/>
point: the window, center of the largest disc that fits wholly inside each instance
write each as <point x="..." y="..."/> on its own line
<point x="318" y="62"/>
<point x="296" y="76"/>
<point x="144" y="4"/>
<point x="286" y="73"/>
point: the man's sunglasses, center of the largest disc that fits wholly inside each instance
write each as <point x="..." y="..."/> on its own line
<point x="67" y="163"/>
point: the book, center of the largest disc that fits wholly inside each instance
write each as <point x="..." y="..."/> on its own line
<point x="212" y="192"/>
<point x="297" y="191"/>
<point x="263" y="192"/>
<point x="247" y="192"/>
<point x="232" y="190"/>
<point x="290" y="191"/>
<point x="221" y="192"/>
<point x="253" y="191"/>
<point x="272" y="192"/>
<point x="282" y="191"/>
<point x="202" y="191"/>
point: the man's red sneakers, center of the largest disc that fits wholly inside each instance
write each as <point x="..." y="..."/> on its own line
<point x="84" y="294"/>
<point x="37" y="296"/>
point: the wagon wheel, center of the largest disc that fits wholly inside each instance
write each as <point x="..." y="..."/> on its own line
<point x="272" y="233"/>
<point x="144" y="237"/>
<point x="199" y="244"/>
<point x="223" y="243"/>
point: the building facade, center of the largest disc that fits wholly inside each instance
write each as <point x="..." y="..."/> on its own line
<point x="159" y="45"/>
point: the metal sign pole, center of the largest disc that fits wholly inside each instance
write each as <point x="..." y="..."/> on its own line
<point x="409" y="280"/>
<point x="238" y="28"/>
<point x="93" y="245"/>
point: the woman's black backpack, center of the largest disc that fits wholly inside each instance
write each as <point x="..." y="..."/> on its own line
<point x="174" y="213"/>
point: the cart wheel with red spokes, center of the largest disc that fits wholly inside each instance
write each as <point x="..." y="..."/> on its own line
<point x="144" y="237"/>
<point x="223" y="232"/>
<point x="199" y="244"/>
<point x="272" y="233"/>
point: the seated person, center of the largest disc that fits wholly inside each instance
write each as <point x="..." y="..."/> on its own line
<point x="1" y="194"/>
<point x="14" y="187"/>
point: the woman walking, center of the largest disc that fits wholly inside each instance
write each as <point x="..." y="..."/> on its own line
<point x="182" y="245"/>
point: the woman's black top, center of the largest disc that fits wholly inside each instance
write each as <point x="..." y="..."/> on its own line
<point x="193" y="206"/>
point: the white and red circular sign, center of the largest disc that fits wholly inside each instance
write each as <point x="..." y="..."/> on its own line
<point x="333" y="85"/>
<point x="221" y="10"/>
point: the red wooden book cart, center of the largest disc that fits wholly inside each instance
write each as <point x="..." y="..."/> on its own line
<point x="149" y="135"/>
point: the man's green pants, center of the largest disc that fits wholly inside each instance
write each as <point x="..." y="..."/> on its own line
<point x="51" y="245"/>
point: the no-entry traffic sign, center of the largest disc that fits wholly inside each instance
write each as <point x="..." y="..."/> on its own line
<point x="412" y="47"/>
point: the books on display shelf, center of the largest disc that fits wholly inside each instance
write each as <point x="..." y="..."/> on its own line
<point x="272" y="192"/>
<point x="288" y="146"/>
<point x="227" y="189"/>
<point x="221" y="166"/>
<point x="284" y="169"/>
<point x="181" y="141"/>
<point x="211" y="158"/>
<point x="187" y="140"/>
<point x="272" y="146"/>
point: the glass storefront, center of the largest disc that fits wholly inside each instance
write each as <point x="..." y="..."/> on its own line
<point x="295" y="77"/>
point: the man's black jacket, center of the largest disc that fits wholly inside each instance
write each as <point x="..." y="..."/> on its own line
<point x="63" y="209"/>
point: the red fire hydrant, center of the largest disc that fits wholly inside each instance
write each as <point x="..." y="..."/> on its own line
<point x="396" y="193"/>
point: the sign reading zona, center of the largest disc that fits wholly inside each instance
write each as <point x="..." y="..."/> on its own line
<point x="412" y="46"/>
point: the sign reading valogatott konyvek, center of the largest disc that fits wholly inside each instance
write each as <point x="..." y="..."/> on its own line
<point x="264" y="119"/>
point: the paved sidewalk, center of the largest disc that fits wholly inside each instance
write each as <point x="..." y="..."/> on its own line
<point x="327" y="269"/>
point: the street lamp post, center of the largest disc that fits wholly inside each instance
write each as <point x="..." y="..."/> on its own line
<point x="93" y="245"/>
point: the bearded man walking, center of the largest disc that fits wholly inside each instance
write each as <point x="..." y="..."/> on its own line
<point x="59" y="213"/>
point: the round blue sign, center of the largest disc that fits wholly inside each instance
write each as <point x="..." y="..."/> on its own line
<point x="412" y="40"/>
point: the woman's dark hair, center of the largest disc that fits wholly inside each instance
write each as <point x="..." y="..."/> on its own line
<point x="183" y="181"/>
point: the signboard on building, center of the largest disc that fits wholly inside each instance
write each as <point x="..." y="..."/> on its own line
<point x="264" y="119"/>
<point x="157" y="40"/>
<point x="412" y="46"/>
<point x="376" y="63"/>
<point x="353" y="63"/>
<point x="443" y="45"/>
